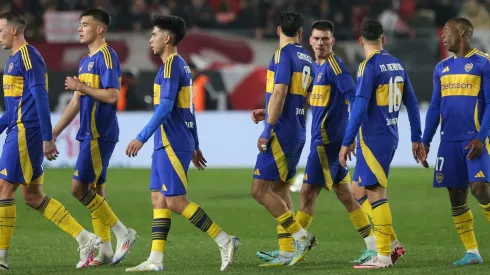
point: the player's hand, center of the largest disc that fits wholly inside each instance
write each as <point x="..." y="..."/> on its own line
<point x="344" y="152"/>
<point x="258" y="115"/>
<point x="71" y="83"/>
<point x="198" y="160"/>
<point x="476" y="148"/>
<point x="50" y="150"/>
<point x="419" y="154"/>
<point x="133" y="148"/>
<point x="262" y="144"/>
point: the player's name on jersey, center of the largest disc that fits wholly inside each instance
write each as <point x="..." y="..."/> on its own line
<point x="391" y="67"/>
<point x="305" y="57"/>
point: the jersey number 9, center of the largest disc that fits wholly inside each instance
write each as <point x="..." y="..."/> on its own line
<point x="394" y="94"/>
<point x="305" y="77"/>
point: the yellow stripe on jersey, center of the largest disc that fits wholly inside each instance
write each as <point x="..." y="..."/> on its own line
<point x="383" y="95"/>
<point x="333" y="63"/>
<point x="471" y="53"/>
<point x="184" y="97"/>
<point x="372" y="162"/>
<point x="174" y="160"/>
<point x="477" y="122"/>
<point x="96" y="160"/>
<point x="363" y="64"/>
<point x="47" y="86"/>
<point x="322" y="155"/>
<point x="107" y="57"/>
<point x="279" y="157"/>
<point x="320" y="96"/>
<point x="25" y="57"/>
<point x="167" y="71"/>
<point x="460" y="85"/>
<point x="156" y="94"/>
<point x="93" y="124"/>
<point x="277" y="54"/>
<point x="296" y="86"/>
<point x="480" y="53"/>
<point x="13" y="85"/>
<point x="25" y="159"/>
<point x="269" y="88"/>
<point x="323" y="131"/>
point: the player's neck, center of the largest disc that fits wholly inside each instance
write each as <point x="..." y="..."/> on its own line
<point x="17" y="43"/>
<point x="283" y="40"/>
<point x="463" y="50"/>
<point x="369" y="49"/>
<point x="321" y="59"/>
<point x="168" y="52"/>
<point x="95" y="45"/>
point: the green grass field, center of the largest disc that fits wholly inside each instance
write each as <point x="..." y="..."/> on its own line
<point x="421" y="215"/>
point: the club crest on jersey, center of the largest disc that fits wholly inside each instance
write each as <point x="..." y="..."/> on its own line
<point x="11" y="66"/>
<point x="468" y="67"/>
<point x="319" y="77"/>
<point x="439" y="177"/>
<point x="90" y="66"/>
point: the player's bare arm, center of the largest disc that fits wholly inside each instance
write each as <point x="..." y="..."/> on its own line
<point x="110" y="95"/>
<point x="69" y="114"/>
<point x="276" y="105"/>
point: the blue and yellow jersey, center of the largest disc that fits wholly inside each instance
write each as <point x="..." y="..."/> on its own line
<point x="328" y="102"/>
<point x="291" y="65"/>
<point x="174" y="81"/>
<point x="382" y="79"/>
<point x="97" y="119"/>
<point x="24" y="70"/>
<point x="460" y="83"/>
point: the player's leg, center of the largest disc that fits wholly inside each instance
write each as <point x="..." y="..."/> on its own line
<point x="481" y="191"/>
<point x="34" y="196"/>
<point x="159" y="230"/>
<point x="8" y="217"/>
<point x="104" y="232"/>
<point x="479" y="178"/>
<point x="92" y="161"/>
<point x="285" y="239"/>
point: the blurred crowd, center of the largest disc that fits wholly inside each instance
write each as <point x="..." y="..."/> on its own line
<point x="259" y="17"/>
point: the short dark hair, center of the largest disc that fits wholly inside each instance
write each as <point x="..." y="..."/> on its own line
<point x="171" y="23"/>
<point x="323" y="25"/>
<point x="291" y="23"/>
<point x="15" y="18"/>
<point x="371" y="30"/>
<point x="463" y="22"/>
<point x="98" y="14"/>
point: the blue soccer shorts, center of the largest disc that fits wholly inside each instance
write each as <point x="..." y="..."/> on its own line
<point x="22" y="157"/>
<point x="323" y="166"/>
<point x="373" y="160"/>
<point x="454" y="169"/>
<point x="280" y="160"/>
<point x="169" y="171"/>
<point x="93" y="160"/>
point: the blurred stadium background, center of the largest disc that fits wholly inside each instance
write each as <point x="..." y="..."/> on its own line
<point x="229" y="45"/>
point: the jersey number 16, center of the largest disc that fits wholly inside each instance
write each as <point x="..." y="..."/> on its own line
<point x="394" y="94"/>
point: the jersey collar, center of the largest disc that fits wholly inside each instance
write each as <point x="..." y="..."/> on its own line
<point x="23" y="45"/>
<point x="103" y="45"/>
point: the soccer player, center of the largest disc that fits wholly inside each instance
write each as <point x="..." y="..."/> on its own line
<point x="382" y="86"/>
<point x="461" y="103"/>
<point x="289" y="78"/>
<point x="29" y="137"/>
<point x="176" y="144"/>
<point x="333" y="89"/>
<point x="95" y="96"/>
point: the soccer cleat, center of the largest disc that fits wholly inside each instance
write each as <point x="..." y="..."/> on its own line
<point x="87" y="250"/>
<point x="397" y="251"/>
<point x="301" y="248"/>
<point x="100" y="260"/>
<point x="365" y="256"/>
<point x="4" y="266"/>
<point x="469" y="259"/>
<point x="124" y="245"/>
<point x="146" y="266"/>
<point x="373" y="263"/>
<point x="277" y="261"/>
<point x="268" y="256"/>
<point x="228" y="252"/>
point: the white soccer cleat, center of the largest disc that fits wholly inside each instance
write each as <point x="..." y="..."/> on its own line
<point x="4" y="266"/>
<point x="397" y="251"/>
<point x="146" y="266"/>
<point x="87" y="250"/>
<point x="123" y="246"/>
<point x="100" y="260"/>
<point x="373" y="263"/>
<point x="228" y="252"/>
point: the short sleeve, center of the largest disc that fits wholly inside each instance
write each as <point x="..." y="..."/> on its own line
<point x="366" y="80"/>
<point x="283" y="68"/>
<point x="109" y="70"/>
